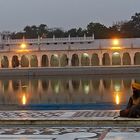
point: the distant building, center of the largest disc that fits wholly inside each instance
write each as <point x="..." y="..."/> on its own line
<point x="62" y="52"/>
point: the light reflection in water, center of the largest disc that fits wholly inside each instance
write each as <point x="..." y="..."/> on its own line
<point x="86" y="89"/>
<point x="24" y="99"/>
<point x="117" y="98"/>
<point x="67" y="90"/>
<point x="117" y="88"/>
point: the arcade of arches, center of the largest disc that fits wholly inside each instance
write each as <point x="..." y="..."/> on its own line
<point x="73" y="59"/>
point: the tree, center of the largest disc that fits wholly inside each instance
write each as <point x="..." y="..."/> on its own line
<point x="99" y="30"/>
<point x="42" y="30"/>
<point x="72" y="32"/>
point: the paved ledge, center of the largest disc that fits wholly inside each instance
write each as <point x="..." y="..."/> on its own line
<point x="96" y="70"/>
<point x="67" y="118"/>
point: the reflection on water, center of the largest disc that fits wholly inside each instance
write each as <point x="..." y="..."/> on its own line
<point x="66" y="90"/>
<point x="24" y="100"/>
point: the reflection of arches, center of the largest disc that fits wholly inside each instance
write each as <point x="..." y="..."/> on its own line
<point x="24" y="86"/>
<point x="44" y="61"/>
<point x="137" y="58"/>
<point x="54" y="62"/>
<point x="65" y="84"/>
<point x="75" y="84"/>
<point x="15" y="85"/>
<point x="95" y="60"/>
<point x="107" y="83"/>
<point x="127" y="83"/>
<point x="64" y="60"/>
<point x="116" y="59"/>
<point x="75" y="60"/>
<point x="34" y="61"/>
<point x="126" y="59"/>
<point x="24" y="61"/>
<point x="15" y="61"/>
<point x="4" y="62"/>
<point x="85" y="61"/>
<point x="86" y="86"/>
<point x="96" y="84"/>
<point x="55" y="84"/>
<point x="137" y="80"/>
<point x="45" y="84"/>
<point x="5" y="85"/>
<point x="106" y="59"/>
<point x="117" y="85"/>
<point x="34" y="83"/>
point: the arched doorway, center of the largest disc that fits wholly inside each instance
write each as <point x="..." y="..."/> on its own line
<point x="126" y="59"/>
<point x="15" y="61"/>
<point x="54" y="62"/>
<point x="116" y="59"/>
<point x="44" y="61"/>
<point x="64" y="60"/>
<point x="137" y="58"/>
<point x="75" y="60"/>
<point x="85" y="61"/>
<point x="4" y="62"/>
<point x="95" y="60"/>
<point x="24" y="61"/>
<point x="106" y="59"/>
<point x="34" y="61"/>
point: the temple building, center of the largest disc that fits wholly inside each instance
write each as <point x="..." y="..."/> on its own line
<point x="70" y="51"/>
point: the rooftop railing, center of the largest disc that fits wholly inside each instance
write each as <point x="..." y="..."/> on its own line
<point x="47" y="40"/>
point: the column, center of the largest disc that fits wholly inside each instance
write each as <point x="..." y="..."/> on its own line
<point x="49" y="65"/>
<point x="10" y="62"/>
<point x="100" y="60"/>
<point x="39" y="61"/>
<point x="132" y="59"/>
<point x="0" y="64"/>
<point x="19" y="59"/>
<point x="69" y="60"/>
<point x="110" y="55"/>
<point x="121" y="56"/>
<point x="79" y="60"/>
<point x="90" y="60"/>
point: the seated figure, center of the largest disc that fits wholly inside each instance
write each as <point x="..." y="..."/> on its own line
<point x="133" y="107"/>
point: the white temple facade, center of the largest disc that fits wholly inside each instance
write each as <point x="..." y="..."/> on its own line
<point x="69" y="52"/>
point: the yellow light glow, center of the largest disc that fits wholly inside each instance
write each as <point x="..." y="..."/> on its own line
<point x="115" y="42"/>
<point x="24" y="99"/>
<point x="117" y="87"/>
<point x="116" y="48"/>
<point x="117" y="99"/>
<point x="23" y="46"/>
<point x="22" y="51"/>
<point x="85" y="55"/>
<point x="116" y="54"/>
<point x="86" y="89"/>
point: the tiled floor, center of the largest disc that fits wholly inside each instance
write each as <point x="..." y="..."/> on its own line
<point x="56" y="114"/>
<point x="65" y="133"/>
<point x="69" y="133"/>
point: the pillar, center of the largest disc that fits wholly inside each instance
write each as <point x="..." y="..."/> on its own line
<point x="39" y="61"/>
<point x="132" y="59"/>
<point x="10" y="62"/>
<point x="100" y="60"/>
<point x="0" y="63"/>
<point x="69" y="60"/>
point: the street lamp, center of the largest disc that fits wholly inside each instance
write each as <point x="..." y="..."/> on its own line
<point x="115" y="44"/>
<point x="23" y="46"/>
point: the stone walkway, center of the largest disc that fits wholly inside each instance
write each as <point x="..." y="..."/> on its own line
<point x="53" y="115"/>
<point x="69" y="133"/>
<point x="38" y="129"/>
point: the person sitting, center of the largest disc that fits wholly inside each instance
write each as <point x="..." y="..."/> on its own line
<point x="133" y="107"/>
